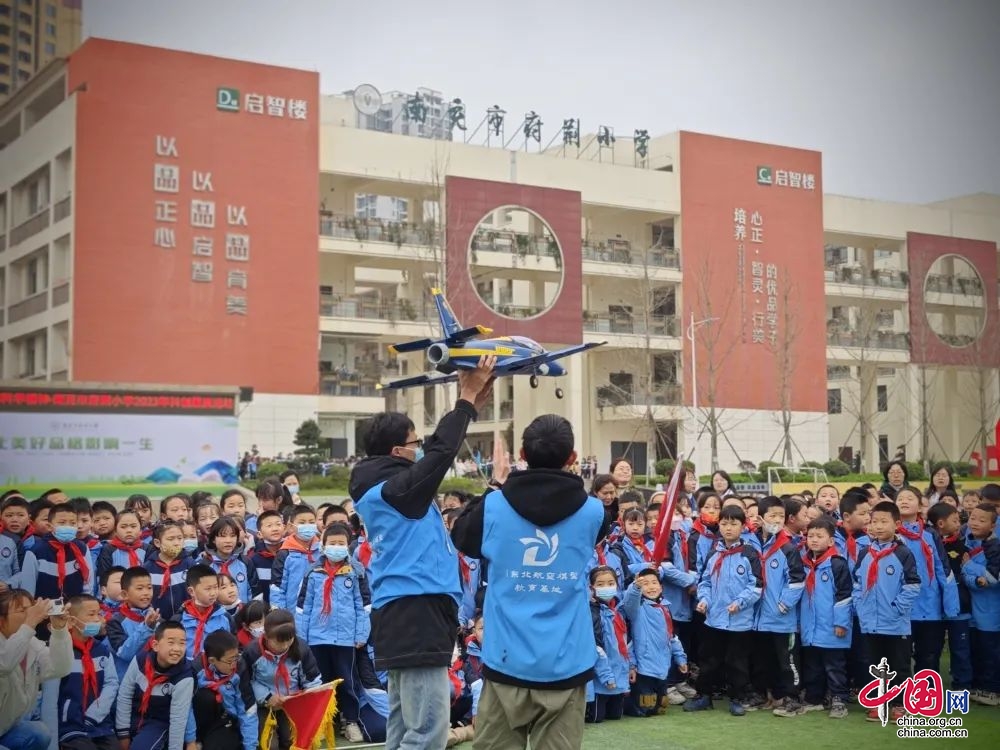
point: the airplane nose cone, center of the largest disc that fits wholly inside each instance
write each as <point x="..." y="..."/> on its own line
<point x="543" y="369"/>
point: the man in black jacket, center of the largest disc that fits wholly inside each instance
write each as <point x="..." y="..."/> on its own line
<point x="414" y="568"/>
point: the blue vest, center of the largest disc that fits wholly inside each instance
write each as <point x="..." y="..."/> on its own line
<point x="410" y="557"/>
<point x="538" y="586"/>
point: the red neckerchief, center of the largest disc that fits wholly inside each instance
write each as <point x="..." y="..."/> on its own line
<point x="950" y="539"/>
<point x="812" y="564"/>
<point x="722" y="554"/>
<point x="152" y="680"/>
<point x="684" y="546"/>
<point x="925" y="548"/>
<point x="92" y="541"/>
<point x="602" y="559"/>
<point x="107" y="611"/>
<point x="621" y="629"/>
<point x="464" y="569"/>
<point x="977" y="551"/>
<point x="165" y="583"/>
<point x="331" y="574"/>
<point x="873" y="568"/>
<point x="264" y="552"/>
<point x="780" y="540"/>
<point x="81" y="560"/>
<point x="280" y="670"/>
<point x="130" y="613"/>
<point x="199" y="631"/>
<point x="699" y="526"/>
<point x="852" y="547"/>
<point x="223" y="564"/>
<point x="29" y="531"/>
<point x="132" y="549"/>
<point x="640" y="546"/>
<point x="90" y="689"/>
<point x="455" y="680"/>
<point x="217" y="684"/>
<point x="364" y="553"/>
<point x="666" y="618"/>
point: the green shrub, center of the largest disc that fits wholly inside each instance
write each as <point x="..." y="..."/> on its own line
<point x="812" y="465"/>
<point x="963" y="469"/>
<point x="271" y="469"/>
<point x="915" y="471"/>
<point x="836" y="468"/>
<point x="462" y="484"/>
<point x="665" y="467"/>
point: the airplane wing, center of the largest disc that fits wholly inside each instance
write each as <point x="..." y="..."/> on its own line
<point x="530" y="363"/>
<point x="411" y="346"/>
<point x="460" y="337"/>
<point x="417" y="380"/>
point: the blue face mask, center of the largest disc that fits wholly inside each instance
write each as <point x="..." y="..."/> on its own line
<point x="306" y="531"/>
<point x="418" y="454"/>
<point x="91" y="629"/>
<point x="335" y="552"/>
<point x="190" y="545"/>
<point x="293" y="488"/>
<point x="606" y="593"/>
<point x="64" y="533"/>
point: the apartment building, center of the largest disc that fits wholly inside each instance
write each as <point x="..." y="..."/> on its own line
<point x="240" y="230"/>
<point x="33" y="33"/>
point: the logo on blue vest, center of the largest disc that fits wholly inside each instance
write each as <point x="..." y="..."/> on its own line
<point x="774" y="563"/>
<point x="890" y="571"/>
<point x="536" y="543"/>
<point x="5" y="552"/>
<point x="824" y="578"/>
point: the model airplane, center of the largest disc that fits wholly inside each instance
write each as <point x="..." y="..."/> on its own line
<point x="461" y="348"/>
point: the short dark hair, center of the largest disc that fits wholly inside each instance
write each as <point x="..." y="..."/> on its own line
<point x="81" y="505"/>
<point x="631" y="496"/>
<point x="269" y="489"/>
<point x="634" y="514"/>
<point x="253" y="611"/>
<point x="163" y="527"/>
<point x="823" y="522"/>
<point x="231" y="493"/>
<point x="49" y="493"/>
<point x="331" y="509"/>
<point x="451" y="513"/>
<point x="939" y="512"/>
<point x="138" y="501"/>
<point x="385" y="431"/>
<point x="336" y="528"/>
<point x="704" y="497"/>
<point x="597" y="570"/>
<point x="196" y="573"/>
<point x="600" y="481"/>
<point x="887" y="507"/>
<point x="793" y="507"/>
<point x="990" y="492"/>
<point x="133" y="574"/>
<point x="733" y="513"/>
<point x="852" y="498"/>
<point x="297" y="510"/>
<point x="548" y="442"/>
<point x="988" y="508"/>
<point x="164" y="626"/>
<point x="61" y="509"/>
<point x="199" y="498"/>
<point x="770" y="502"/>
<point x="16" y="501"/>
<point x="80" y="599"/>
<point x="288" y="473"/>
<point x="35" y="507"/>
<point x="218" y="642"/>
<point x="219" y="525"/>
<point x="11" y="493"/>
<point x="901" y="465"/>
<point x="268" y="514"/>
<point x="165" y="501"/>
<point x="646" y="572"/>
<point x="279" y="624"/>
<point x="106" y="575"/>
<point x="103" y="506"/>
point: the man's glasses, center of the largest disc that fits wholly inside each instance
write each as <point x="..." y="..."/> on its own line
<point x="418" y="442"/>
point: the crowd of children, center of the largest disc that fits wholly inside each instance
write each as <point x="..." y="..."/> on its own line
<point x="197" y="623"/>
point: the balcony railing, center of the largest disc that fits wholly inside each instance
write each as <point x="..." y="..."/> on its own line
<point x="333" y="386"/>
<point x="861" y="276"/>
<point x="26" y="308"/>
<point x="621" y="252"/>
<point x="658" y="325"/>
<point x="875" y="340"/>
<point x="968" y="285"/>
<point x="62" y="209"/>
<point x="378" y="230"/>
<point x="368" y="309"/>
<point x="515" y="243"/>
<point x="32" y="226"/>
<point x="667" y="394"/>
<point x="60" y="294"/>
<point x="3" y="242"/>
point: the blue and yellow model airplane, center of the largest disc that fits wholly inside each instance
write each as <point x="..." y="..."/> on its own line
<point x="461" y="348"/>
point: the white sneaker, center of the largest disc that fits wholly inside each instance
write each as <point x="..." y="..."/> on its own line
<point x="352" y="732"/>
<point x="674" y="697"/>
<point x="686" y="690"/>
<point x="989" y="699"/>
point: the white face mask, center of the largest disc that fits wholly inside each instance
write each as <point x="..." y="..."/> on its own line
<point x="257" y="632"/>
<point x="772" y="528"/>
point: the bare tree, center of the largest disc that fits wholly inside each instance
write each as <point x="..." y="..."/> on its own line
<point x="784" y="351"/>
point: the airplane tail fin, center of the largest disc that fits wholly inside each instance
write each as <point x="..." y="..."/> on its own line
<point x="449" y="323"/>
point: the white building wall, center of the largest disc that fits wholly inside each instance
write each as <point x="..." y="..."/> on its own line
<point x="270" y="421"/>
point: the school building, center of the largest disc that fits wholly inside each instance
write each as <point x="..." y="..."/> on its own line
<point x="183" y="220"/>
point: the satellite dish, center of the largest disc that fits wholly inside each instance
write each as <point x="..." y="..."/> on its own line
<point x="367" y="99"/>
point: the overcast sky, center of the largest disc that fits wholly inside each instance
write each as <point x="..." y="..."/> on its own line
<point x="901" y="96"/>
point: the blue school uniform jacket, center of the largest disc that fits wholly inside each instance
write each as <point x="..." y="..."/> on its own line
<point x="291" y="564"/>
<point x="826" y="604"/>
<point x="75" y="580"/>
<point x="10" y="566"/>
<point x="701" y="540"/>
<point x="611" y="665"/>
<point x="111" y="556"/>
<point x="884" y="608"/>
<point x="96" y="718"/>
<point x="169" y="702"/>
<point x="169" y="594"/>
<point x="677" y="578"/>
<point x="236" y="699"/>
<point x="269" y="674"/>
<point x="847" y="550"/>
<point x="128" y="636"/>
<point x="984" y="562"/>
<point x="218" y="620"/>
<point x="654" y="644"/>
<point x="737" y="580"/>
<point x="469" y="570"/>
<point x="938" y="597"/>
<point x="601" y="557"/>
<point x="634" y="559"/>
<point x="262" y="560"/>
<point x="239" y="567"/>
<point x="345" y="623"/>
<point x="784" y="578"/>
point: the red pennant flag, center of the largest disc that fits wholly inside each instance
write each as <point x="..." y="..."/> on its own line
<point x="310" y="714"/>
<point x="663" y="524"/>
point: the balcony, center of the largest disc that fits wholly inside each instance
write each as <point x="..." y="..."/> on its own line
<point x="62" y="209"/>
<point x="655" y="325"/>
<point x="621" y="252"/>
<point x="60" y="294"/>
<point x="887" y="340"/>
<point x="378" y="230"/>
<point x="32" y="226"/>
<point x="3" y="242"/>
<point x="28" y="307"/>
<point x="370" y="316"/>
<point x="616" y="403"/>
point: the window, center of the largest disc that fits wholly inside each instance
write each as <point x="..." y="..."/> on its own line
<point x="4" y="69"/>
<point x="4" y="29"/>
<point x="882" y="397"/>
<point x="31" y="278"/>
<point x="50" y="48"/>
<point x="833" y="405"/>
<point x="4" y="88"/>
<point x="24" y="18"/>
<point x="29" y="357"/>
<point x="883" y="448"/>
<point x="23" y="56"/>
<point x="23" y="75"/>
<point x="4" y="49"/>
<point x="4" y="10"/>
<point x="50" y="11"/>
<point x="50" y="29"/>
<point x="24" y="37"/>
